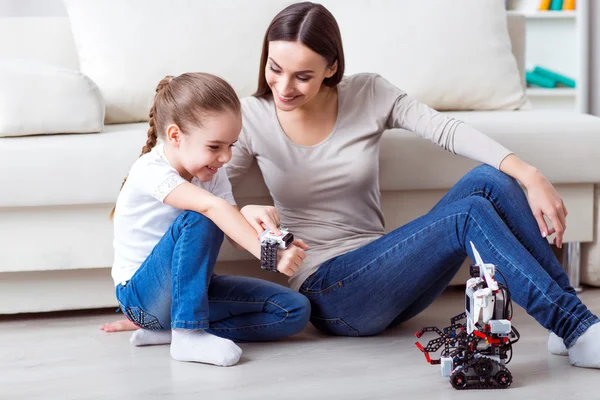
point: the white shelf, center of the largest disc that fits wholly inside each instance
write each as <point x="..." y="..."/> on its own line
<point x="554" y="92"/>
<point x="551" y="15"/>
<point x="558" y="41"/>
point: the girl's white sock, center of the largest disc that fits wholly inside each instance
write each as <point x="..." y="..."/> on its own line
<point x="586" y="350"/>
<point x="556" y="345"/>
<point x="144" y="337"/>
<point x="200" y="346"/>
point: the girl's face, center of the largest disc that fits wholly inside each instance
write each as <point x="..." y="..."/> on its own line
<point x="295" y="74"/>
<point x="200" y="152"/>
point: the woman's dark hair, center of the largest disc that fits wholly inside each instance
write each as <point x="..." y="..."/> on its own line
<point x="312" y="25"/>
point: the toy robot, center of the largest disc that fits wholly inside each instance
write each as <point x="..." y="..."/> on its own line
<point x="475" y="350"/>
<point x="269" y="243"/>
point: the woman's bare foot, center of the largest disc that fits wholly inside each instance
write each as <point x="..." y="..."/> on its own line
<point x="119" y="326"/>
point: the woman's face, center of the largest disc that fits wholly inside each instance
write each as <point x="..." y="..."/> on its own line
<point x="295" y="73"/>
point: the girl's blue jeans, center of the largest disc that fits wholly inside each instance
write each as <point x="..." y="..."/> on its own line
<point x="176" y="288"/>
<point x="395" y="277"/>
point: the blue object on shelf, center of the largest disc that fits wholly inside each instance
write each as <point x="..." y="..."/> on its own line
<point x="556" y="5"/>
<point x="555" y="76"/>
<point x="539" y="80"/>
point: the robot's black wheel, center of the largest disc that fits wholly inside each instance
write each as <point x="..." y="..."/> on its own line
<point x="458" y="380"/>
<point x="503" y="379"/>
<point x="484" y="367"/>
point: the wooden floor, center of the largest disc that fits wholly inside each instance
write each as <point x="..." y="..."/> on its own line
<point x="66" y="357"/>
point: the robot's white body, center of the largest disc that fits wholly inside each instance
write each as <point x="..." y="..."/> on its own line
<point x="484" y="305"/>
<point x="478" y="341"/>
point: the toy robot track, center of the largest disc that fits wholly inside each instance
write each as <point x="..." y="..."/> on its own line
<point x="481" y="373"/>
<point x="478" y="343"/>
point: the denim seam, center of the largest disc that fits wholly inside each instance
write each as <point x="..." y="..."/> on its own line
<point x="522" y="273"/>
<point x="204" y="323"/>
<point x="383" y="254"/>
<point x="235" y="301"/>
<point x="268" y="300"/>
<point x="287" y="313"/>
<point x="581" y="330"/>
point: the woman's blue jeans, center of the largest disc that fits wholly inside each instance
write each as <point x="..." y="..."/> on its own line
<point x="395" y="277"/>
<point x="176" y="288"/>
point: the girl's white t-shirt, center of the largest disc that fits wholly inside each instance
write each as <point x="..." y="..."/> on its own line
<point x="141" y="218"/>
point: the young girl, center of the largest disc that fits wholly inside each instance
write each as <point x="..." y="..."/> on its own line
<point x="169" y="221"/>
<point x="323" y="130"/>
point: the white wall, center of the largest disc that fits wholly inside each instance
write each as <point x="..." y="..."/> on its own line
<point x="595" y="58"/>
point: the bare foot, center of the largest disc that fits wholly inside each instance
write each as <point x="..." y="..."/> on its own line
<point x="119" y="326"/>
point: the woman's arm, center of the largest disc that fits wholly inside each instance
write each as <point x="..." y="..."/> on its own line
<point x="260" y="218"/>
<point x="459" y="138"/>
<point x="242" y="158"/>
<point x="446" y="132"/>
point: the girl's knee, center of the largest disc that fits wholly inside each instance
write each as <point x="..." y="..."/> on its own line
<point x="194" y="220"/>
<point x="298" y="311"/>
<point x="300" y="307"/>
<point x="304" y="308"/>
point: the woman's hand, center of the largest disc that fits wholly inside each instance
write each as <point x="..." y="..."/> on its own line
<point x="290" y="259"/>
<point x="545" y="200"/>
<point x="262" y="218"/>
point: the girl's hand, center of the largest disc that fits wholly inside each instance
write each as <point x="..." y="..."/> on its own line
<point x="290" y="259"/>
<point x="545" y="200"/>
<point x="262" y="218"/>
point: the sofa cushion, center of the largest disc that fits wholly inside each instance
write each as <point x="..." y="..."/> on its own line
<point x="565" y="146"/>
<point x="69" y="169"/>
<point x="38" y="98"/>
<point x="451" y="55"/>
<point x="127" y="46"/>
<point x="89" y="168"/>
<point x="460" y="58"/>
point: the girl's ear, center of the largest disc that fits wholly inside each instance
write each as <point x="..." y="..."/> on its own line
<point x="174" y="135"/>
<point x="331" y="70"/>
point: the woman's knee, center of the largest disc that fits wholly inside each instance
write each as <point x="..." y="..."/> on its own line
<point x="490" y="176"/>
<point x="477" y="205"/>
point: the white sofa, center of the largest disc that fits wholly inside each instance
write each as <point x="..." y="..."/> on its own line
<point x="57" y="190"/>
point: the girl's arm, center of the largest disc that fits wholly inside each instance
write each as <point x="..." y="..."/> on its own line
<point x="227" y="217"/>
<point x="233" y="242"/>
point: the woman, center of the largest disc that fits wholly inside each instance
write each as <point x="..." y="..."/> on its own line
<point x="315" y="135"/>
